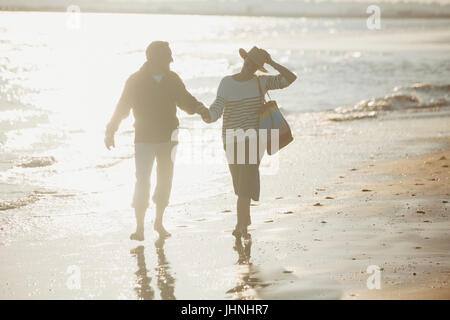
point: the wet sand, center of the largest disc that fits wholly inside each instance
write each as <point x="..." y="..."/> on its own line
<point x="312" y="237"/>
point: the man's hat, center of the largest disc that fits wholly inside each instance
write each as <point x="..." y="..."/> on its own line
<point x="158" y="49"/>
<point x="258" y="56"/>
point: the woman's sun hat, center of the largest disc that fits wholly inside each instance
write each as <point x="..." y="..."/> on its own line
<point x="257" y="55"/>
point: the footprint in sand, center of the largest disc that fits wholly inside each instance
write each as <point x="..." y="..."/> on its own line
<point x="419" y="184"/>
<point x="329" y="198"/>
<point x="341" y="177"/>
<point x="318" y="204"/>
<point x="288" y="212"/>
<point x="323" y="221"/>
<point x="182" y="226"/>
<point x="353" y="169"/>
<point x="268" y="221"/>
<point x="366" y="190"/>
<point x="320" y="189"/>
<point x="420" y="211"/>
<point x="443" y="158"/>
<point x="226" y="211"/>
<point x="278" y="198"/>
<point x="444" y="201"/>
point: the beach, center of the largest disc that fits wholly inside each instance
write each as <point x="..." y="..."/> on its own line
<point x="316" y="243"/>
<point x="361" y="194"/>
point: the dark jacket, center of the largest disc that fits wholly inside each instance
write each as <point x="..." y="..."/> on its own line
<point x="154" y="105"/>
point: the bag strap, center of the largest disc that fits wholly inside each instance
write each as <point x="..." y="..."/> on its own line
<point x="261" y="95"/>
<point x="260" y="91"/>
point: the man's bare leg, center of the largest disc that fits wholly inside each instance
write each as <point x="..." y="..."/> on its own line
<point x="140" y="217"/>
<point x="158" y="226"/>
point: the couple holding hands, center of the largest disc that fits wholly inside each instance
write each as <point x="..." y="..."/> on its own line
<point x="154" y="92"/>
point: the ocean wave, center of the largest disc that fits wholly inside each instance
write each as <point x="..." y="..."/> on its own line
<point x="36" y="162"/>
<point x="17" y="203"/>
<point x="423" y="86"/>
<point x="424" y="96"/>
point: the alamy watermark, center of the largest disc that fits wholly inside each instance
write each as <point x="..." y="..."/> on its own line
<point x="200" y="146"/>
<point x="73" y="17"/>
<point x="74" y="280"/>
<point x="374" y="20"/>
<point x="374" y="280"/>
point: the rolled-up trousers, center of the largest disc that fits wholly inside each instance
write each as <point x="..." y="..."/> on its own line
<point x="145" y="155"/>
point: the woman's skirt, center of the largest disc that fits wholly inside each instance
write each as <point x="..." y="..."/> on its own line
<point x="245" y="169"/>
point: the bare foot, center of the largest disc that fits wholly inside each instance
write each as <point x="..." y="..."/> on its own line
<point x="138" y="235"/>
<point x="163" y="233"/>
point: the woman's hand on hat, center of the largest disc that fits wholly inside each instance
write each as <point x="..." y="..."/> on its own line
<point x="269" y="60"/>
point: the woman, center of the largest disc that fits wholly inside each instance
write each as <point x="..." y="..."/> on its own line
<point x="239" y="99"/>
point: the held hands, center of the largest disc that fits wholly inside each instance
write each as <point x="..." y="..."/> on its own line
<point x="204" y="113"/>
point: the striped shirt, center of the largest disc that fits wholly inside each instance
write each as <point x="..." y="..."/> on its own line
<point x="239" y="101"/>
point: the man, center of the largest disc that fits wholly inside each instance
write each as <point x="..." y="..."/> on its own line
<point x="153" y="93"/>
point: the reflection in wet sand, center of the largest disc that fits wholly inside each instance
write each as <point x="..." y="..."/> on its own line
<point x="248" y="284"/>
<point x="269" y="282"/>
<point x="143" y="289"/>
<point x="165" y="281"/>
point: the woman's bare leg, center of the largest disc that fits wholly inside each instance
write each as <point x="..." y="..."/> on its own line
<point x="243" y="214"/>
